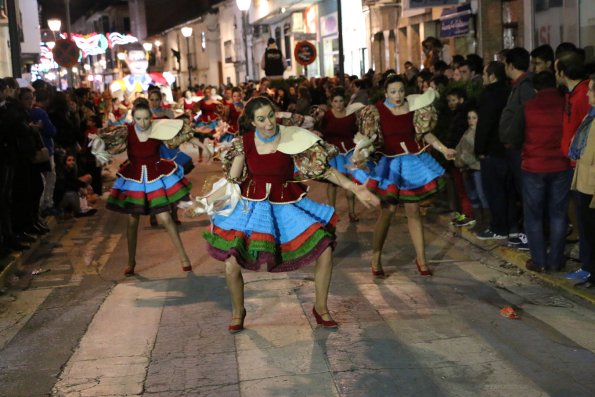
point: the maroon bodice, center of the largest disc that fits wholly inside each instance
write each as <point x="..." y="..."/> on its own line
<point x="208" y="111"/>
<point x="339" y="131"/>
<point x="144" y="155"/>
<point x="398" y="132"/>
<point x="269" y="175"/>
<point x="234" y="117"/>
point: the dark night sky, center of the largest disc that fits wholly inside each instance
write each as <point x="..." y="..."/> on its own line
<point x="161" y="14"/>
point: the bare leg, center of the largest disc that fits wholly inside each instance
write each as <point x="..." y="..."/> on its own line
<point x="380" y="233"/>
<point x="331" y="194"/>
<point x="165" y="219"/>
<point x="235" y="283"/>
<point x="322" y="281"/>
<point x="351" y="205"/>
<point x="416" y="231"/>
<point x="132" y="237"/>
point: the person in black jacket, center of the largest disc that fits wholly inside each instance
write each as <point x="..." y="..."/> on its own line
<point x="273" y="62"/>
<point x="496" y="176"/>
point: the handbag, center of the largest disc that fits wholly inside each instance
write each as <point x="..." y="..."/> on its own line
<point x="41" y="156"/>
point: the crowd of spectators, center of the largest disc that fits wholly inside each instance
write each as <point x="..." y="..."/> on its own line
<point x="512" y="121"/>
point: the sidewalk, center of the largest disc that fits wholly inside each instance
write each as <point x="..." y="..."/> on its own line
<point x="519" y="258"/>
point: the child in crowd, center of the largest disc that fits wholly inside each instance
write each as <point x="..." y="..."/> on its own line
<point x="469" y="167"/>
<point x="71" y="189"/>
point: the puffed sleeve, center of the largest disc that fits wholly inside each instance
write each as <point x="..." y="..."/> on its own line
<point x="115" y="139"/>
<point x="369" y="124"/>
<point x="425" y="120"/>
<point x="184" y="135"/>
<point x="236" y="149"/>
<point x="312" y="163"/>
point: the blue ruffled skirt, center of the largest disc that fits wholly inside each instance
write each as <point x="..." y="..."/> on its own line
<point x="181" y="159"/>
<point x="408" y="178"/>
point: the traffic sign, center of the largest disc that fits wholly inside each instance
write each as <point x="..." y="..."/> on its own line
<point x="66" y="53"/>
<point x="304" y="52"/>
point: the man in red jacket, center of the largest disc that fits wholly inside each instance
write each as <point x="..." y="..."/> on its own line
<point x="546" y="175"/>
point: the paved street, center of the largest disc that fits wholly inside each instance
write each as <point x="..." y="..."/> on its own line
<point x="82" y="329"/>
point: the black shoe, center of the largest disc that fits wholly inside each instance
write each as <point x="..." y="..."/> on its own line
<point x="89" y="212"/>
<point x="37" y="231"/>
<point x="42" y="226"/>
<point x="529" y="265"/>
<point x="26" y="238"/>
<point x="16" y="246"/>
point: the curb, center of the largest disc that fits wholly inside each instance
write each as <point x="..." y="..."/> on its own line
<point x="517" y="258"/>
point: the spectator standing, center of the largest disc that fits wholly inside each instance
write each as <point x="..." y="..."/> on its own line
<point x="546" y="175"/>
<point x="570" y="74"/>
<point x="496" y="177"/>
<point x="273" y="62"/>
<point x="542" y="59"/>
<point x="582" y="150"/>
<point x="511" y="121"/>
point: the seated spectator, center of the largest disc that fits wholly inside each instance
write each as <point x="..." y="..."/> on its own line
<point x="71" y="189"/>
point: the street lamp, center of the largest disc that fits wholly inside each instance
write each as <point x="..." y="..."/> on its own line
<point x="244" y="6"/>
<point x="187" y="32"/>
<point x="54" y="25"/>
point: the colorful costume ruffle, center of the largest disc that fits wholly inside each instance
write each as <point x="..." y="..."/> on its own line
<point x="146" y="183"/>
<point x="403" y="171"/>
<point x="182" y="159"/>
<point x="406" y="178"/>
<point x="274" y="224"/>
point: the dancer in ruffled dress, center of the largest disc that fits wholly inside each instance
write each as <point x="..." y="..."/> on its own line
<point x="273" y="224"/>
<point x="146" y="183"/>
<point x="339" y="128"/>
<point x="404" y="172"/>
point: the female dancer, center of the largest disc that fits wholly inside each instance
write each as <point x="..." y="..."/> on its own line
<point x="236" y="106"/>
<point x="404" y="172"/>
<point x="175" y="154"/>
<point x="148" y="184"/>
<point x="274" y="224"/>
<point x="339" y="128"/>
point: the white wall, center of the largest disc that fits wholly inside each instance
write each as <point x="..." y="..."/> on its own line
<point x="30" y="25"/>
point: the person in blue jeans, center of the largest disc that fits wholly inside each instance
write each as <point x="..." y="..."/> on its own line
<point x="546" y="175"/>
<point x="582" y="150"/>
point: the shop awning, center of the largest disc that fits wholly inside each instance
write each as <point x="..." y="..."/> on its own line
<point x="455" y="21"/>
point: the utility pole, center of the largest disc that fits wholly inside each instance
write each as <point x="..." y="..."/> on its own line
<point x="341" y="55"/>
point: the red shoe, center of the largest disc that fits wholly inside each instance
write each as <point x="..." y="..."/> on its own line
<point x="235" y="328"/>
<point x="321" y="321"/>
<point x="129" y="271"/>
<point x="427" y="272"/>
<point x="187" y="268"/>
<point x="378" y="273"/>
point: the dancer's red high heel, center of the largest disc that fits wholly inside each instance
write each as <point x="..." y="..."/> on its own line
<point x="129" y="271"/>
<point x="426" y="272"/>
<point x="377" y="273"/>
<point x="186" y="267"/>
<point x="323" y="322"/>
<point x="235" y="328"/>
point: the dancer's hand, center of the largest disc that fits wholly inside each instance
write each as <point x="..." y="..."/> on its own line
<point x="367" y="198"/>
<point x="449" y="154"/>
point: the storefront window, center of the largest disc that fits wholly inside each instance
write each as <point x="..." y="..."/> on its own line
<point x="556" y="21"/>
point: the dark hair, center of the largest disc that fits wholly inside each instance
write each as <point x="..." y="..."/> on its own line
<point x="544" y="52"/>
<point x="3" y="85"/>
<point x="25" y="90"/>
<point x="140" y="104"/>
<point x="247" y="116"/>
<point x="440" y="80"/>
<point x="496" y="68"/>
<point x="592" y="77"/>
<point x="564" y="47"/>
<point x="458" y="92"/>
<point x="337" y="91"/>
<point x="572" y="64"/>
<point x="271" y="40"/>
<point x="457" y="59"/>
<point x="440" y="66"/>
<point x="519" y="58"/>
<point x="11" y="82"/>
<point x="236" y="89"/>
<point x="97" y="120"/>
<point x="544" y="80"/>
<point x="42" y="95"/>
<point x="156" y="92"/>
<point x="475" y="63"/>
<point x="393" y="78"/>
